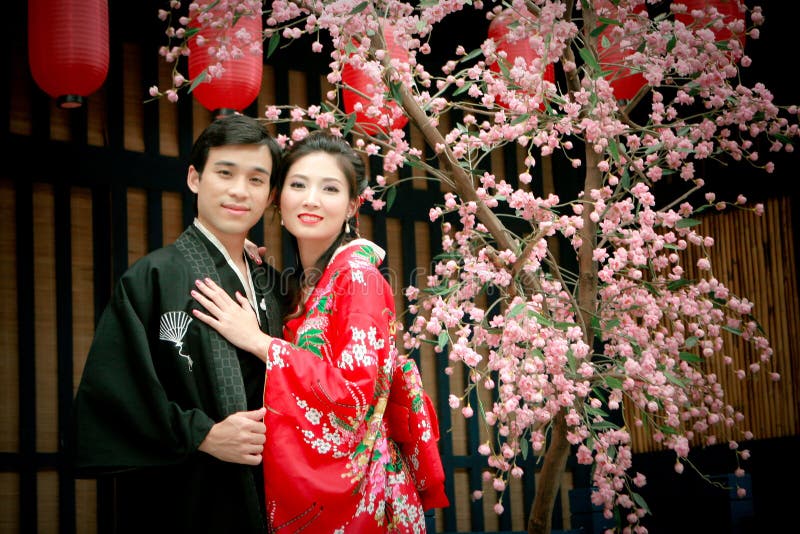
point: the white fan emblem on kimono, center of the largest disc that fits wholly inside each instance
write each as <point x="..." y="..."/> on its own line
<point x="173" y="328"/>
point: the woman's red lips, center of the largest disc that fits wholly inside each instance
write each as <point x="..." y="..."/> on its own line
<point x="309" y="217"/>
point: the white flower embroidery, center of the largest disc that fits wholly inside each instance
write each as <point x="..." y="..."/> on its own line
<point x="357" y="275"/>
<point x="276" y="359"/>
<point x="346" y="360"/>
<point x="372" y="335"/>
<point x="358" y="335"/>
<point x="314" y="416"/>
<point x="360" y="354"/>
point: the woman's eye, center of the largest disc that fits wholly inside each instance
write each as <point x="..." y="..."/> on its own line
<point x="331" y="189"/>
<point x="296" y="185"/>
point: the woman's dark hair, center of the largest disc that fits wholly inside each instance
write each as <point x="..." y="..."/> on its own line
<point x="352" y="166"/>
<point x="235" y="130"/>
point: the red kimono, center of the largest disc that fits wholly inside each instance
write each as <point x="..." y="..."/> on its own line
<point x="328" y="463"/>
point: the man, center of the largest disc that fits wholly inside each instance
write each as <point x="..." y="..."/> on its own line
<point x="166" y="404"/>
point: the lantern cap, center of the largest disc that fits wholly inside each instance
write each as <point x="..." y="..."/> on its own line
<point x="70" y="101"/>
<point x="224" y="112"/>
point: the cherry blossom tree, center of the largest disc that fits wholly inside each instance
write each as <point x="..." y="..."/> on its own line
<point x="564" y="360"/>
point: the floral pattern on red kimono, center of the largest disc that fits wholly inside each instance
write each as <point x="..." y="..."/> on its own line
<point x="328" y="464"/>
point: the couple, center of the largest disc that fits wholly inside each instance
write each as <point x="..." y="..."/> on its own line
<point x="225" y="403"/>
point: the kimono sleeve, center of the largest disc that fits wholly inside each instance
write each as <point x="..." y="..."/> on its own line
<point x="340" y="353"/>
<point x="122" y="415"/>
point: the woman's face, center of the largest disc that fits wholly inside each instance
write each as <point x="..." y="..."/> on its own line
<point x="315" y="201"/>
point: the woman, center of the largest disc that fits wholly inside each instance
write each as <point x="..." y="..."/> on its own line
<point x="328" y="382"/>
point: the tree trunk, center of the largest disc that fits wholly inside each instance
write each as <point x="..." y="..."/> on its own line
<point x="555" y="461"/>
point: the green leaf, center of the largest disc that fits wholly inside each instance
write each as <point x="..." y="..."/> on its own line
<point x="521" y="118"/>
<point x="653" y="290"/>
<point x="589" y="58"/>
<point x="210" y="6"/>
<point x="690" y="357"/>
<point x="687" y="223"/>
<point x="613" y="382"/>
<point x="348" y="125"/>
<point x="463" y="88"/>
<point x="391" y="194"/>
<point x="597" y="31"/>
<point x="359" y="8"/>
<point x="274" y="41"/>
<point x="604" y="425"/>
<point x="607" y="21"/>
<point x="691" y="341"/>
<point x="595" y="411"/>
<point x="671" y="44"/>
<point x="640" y="502"/>
<point x="198" y="79"/>
<point x="475" y="53"/>
<point x="732" y="330"/>
<point x="599" y="393"/>
<point x="516" y="309"/>
<point x="677" y="284"/>
<point x="437" y="290"/>
<point x="397" y="96"/>
<point x="614" y="147"/>
<point x="190" y="32"/>
<point x="523" y="447"/>
<point x="675" y="380"/>
<point x="444" y="339"/>
<point x="544" y="321"/>
<point x="667" y="429"/>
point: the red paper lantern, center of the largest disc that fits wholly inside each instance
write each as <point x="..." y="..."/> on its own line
<point x="361" y="82"/>
<point x="68" y="47"/>
<point x="499" y="29"/>
<point x="626" y="83"/>
<point x="238" y="86"/>
<point x="728" y="9"/>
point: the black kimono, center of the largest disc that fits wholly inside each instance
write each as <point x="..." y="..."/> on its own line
<point x="155" y="382"/>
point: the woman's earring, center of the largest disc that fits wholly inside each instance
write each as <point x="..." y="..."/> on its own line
<point x="347" y="227"/>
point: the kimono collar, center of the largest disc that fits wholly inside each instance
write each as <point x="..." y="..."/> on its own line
<point x="244" y="278"/>
<point x="360" y="242"/>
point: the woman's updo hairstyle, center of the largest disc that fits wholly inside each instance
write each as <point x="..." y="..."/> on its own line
<point x="352" y="167"/>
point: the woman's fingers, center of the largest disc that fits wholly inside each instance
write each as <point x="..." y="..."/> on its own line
<point x="210" y="321"/>
<point x="212" y="298"/>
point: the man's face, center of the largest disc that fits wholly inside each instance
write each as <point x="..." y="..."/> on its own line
<point x="233" y="191"/>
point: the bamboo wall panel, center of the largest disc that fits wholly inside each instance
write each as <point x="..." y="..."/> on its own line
<point x="168" y="124"/>
<point x="9" y="496"/>
<point x="86" y="506"/>
<point x="133" y="96"/>
<point x="755" y="258"/>
<point x="48" y="503"/>
<point x="45" y="318"/>
<point x="172" y="226"/>
<point x="137" y="224"/>
<point x="83" y="312"/>
<point x="9" y="348"/>
<point x="20" y="112"/>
